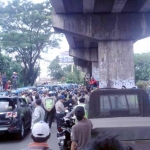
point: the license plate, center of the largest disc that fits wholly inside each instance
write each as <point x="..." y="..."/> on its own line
<point x="61" y="137"/>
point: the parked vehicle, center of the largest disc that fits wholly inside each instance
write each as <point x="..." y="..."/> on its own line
<point x="64" y="133"/>
<point x="124" y="113"/>
<point x="15" y="116"/>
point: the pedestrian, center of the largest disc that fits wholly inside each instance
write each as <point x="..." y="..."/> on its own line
<point x="4" y="80"/>
<point x="71" y="101"/>
<point x="49" y="104"/>
<point x="29" y="98"/>
<point x="14" y="78"/>
<point x="81" y="131"/>
<point x="40" y="135"/>
<point x="60" y="109"/>
<point x="39" y="113"/>
<point x="8" y="86"/>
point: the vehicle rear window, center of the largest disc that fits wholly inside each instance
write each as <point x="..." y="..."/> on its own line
<point x="119" y="102"/>
<point x="6" y="104"/>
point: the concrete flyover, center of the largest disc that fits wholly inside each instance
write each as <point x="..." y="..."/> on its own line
<point x="101" y="35"/>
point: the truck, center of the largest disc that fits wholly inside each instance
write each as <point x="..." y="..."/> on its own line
<point x="123" y="113"/>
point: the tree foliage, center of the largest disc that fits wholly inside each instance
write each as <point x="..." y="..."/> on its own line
<point x="26" y="31"/>
<point x="72" y="75"/>
<point x="55" y="69"/>
<point x="142" y="66"/>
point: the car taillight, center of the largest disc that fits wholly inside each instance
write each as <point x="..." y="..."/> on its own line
<point x="14" y="114"/>
<point x="11" y="114"/>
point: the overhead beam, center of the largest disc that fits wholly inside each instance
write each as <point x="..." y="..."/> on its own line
<point x="84" y="54"/>
<point x="58" y="6"/>
<point x="88" y="6"/>
<point x="116" y="26"/>
<point x="146" y="6"/>
<point x="118" y="6"/>
<point x="70" y="40"/>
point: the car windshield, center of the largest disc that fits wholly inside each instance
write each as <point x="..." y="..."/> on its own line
<point x="6" y="104"/>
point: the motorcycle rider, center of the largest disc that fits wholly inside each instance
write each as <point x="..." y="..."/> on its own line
<point x="81" y="103"/>
<point x="81" y="131"/>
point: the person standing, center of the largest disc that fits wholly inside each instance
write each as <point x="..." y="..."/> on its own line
<point x="4" y="80"/>
<point x="81" y="131"/>
<point x="60" y="109"/>
<point x="49" y="104"/>
<point x="93" y="83"/>
<point x="39" y="113"/>
<point x="14" y="78"/>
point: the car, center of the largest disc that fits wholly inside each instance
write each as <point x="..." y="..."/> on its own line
<point x="15" y="116"/>
<point x="124" y="113"/>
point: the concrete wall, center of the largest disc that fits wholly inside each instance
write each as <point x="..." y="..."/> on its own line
<point x="116" y="64"/>
<point x="95" y="71"/>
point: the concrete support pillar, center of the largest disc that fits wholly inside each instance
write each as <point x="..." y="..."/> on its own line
<point x="116" y="64"/>
<point x="95" y="70"/>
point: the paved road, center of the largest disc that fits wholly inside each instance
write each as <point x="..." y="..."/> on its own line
<point x="9" y="143"/>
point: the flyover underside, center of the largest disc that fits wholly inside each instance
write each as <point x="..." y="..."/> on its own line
<point x="100" y="32"/>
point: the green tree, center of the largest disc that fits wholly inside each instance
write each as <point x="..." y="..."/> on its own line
<point x="55" y="69"/>
<point x="26" y="31"/>
<point x="73" y="77"/>
<point x="142" y="66"/>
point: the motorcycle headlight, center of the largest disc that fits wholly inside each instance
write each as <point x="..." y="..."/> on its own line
<point x="62" y="142"/>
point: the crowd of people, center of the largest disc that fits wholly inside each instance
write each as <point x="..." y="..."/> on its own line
<point x="8" y="84"/>
<point x="50" y="105"/>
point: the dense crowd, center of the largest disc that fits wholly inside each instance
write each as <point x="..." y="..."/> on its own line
<point x="51" y="105"/>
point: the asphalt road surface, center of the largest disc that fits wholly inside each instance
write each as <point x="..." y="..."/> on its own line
<point x="10" y="143"/>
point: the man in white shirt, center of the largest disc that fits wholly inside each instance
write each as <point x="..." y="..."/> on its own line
<point x="60" y="109"/>
<point x="39" y="113"/>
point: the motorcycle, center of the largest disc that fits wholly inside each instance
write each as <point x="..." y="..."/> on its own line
<point x="64" y="133"/>
<point x="70" y="108"/>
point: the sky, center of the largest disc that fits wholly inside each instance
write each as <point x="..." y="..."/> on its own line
<point x="140" y="46"/>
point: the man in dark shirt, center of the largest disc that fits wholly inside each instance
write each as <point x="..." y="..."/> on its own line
<point x="81" y="131"/>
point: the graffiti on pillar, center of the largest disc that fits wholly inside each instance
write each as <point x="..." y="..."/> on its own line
<point x="95" y="73"/>
<point x="130" y="83"/>
<point x="102" y="84"/>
